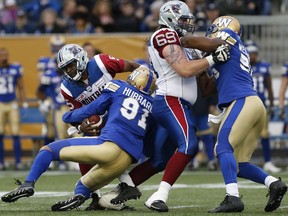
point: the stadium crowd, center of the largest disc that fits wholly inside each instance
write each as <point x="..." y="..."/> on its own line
<point x="96" y="16"/>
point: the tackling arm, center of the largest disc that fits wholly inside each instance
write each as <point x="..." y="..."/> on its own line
<point x="130" y="65"/>
<point x="201" y="43"/>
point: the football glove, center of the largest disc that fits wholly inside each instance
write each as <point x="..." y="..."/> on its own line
<point x="221" y="54"/>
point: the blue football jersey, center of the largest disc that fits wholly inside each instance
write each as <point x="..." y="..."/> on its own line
<point x="101" y="69"/>
<point x="260" y="71"/>
<point x="50" y="82"/>
<point x="46" y="63"/>
<point x="234" y="77"/>
<point x="128" y="113"/>
<point x="8" y="81"/>
<point x="284" y="70"/>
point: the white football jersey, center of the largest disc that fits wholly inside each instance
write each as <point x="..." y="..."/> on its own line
<point x="169" y="82"/>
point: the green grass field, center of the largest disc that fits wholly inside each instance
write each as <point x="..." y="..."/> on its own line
<point x="194" y="193"/>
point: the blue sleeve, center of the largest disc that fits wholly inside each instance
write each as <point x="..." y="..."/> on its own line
<point x="97" y="107"/>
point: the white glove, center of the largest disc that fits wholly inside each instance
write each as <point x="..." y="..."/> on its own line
<point x="221" y="54"/>
<point x="44" y="106"/>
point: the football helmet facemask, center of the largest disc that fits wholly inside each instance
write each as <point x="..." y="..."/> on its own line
<point x="224" y="22"/>
<point x="56" y="43"/>
<point x="72" y="53"/>
<point x="143" y="79"/>
<point x="176" y="15"/>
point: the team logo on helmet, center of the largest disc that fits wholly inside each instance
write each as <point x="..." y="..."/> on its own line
<point x="176" y="8"/>
<point x="74" y="50"/>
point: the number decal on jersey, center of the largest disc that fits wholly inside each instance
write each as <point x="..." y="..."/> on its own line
<point x="258" y="84"/>
<point x="70" y="105"/>
<point x="130" y="109"/>
<point x="6" y="85"/>
<point x="244" y="60"/>
<point x="167" y="37"/>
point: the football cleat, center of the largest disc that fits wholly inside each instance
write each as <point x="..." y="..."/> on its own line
<point x="276" y="193"/>
<point x="74" y="202"/>
<point x="229" y="204"/>
<point x="94" y="205"/>
<point x="126" y="193"/>
<point x="157" y="205"/>
<point x="24" y="190"/>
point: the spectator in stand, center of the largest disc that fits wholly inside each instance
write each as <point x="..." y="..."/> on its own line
<point x="48" y="24"/>
<point x="263" y="85"/>
<point x="253" y="7"/>
<point x="90" y="49"/>
<point x="81" y="24"/>
<point x="212" y="12"/>
<point x="65" y="19"/>
<point x="21" y="25"/>
<point x="9" y="12"/>
<point x="35" y="8"/>
<point x="12" y="88"/>
<point x="236" y="7"/>
<point x="150" y="23"/>
<point x="102" y="18"/>
<point x="127" y="21"/>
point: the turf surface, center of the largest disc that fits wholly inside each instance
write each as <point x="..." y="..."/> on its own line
<point x="194" y="193"/>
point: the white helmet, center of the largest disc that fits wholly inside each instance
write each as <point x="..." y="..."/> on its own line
<point x="176" y="15"/>
<point x="72" y="53"/>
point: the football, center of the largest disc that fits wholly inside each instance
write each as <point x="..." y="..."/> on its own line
<point x="97" y="121"/>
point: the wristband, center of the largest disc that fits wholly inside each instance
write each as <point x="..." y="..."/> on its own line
<point x="210" y="60"/>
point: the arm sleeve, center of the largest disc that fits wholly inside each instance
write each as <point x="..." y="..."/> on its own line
<point x="112" y="64"/>
<point x="99" y="106"/>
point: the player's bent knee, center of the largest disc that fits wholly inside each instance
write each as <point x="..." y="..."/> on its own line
<point x="45" y="148"/>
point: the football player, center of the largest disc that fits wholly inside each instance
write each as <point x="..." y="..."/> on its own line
<point x="51" y="102"/>
<point x="12" y="86"/>
<point x="174" y="129"/>
<point x="241" y="121"/>
<point x="120" y="144"/>
<point x="281" y="99"/>
<point x="83" y="84"/>
<point x="263" y="84"/>
<point x="176" y="92"/>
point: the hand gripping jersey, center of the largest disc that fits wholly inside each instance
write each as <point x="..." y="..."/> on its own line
<point x="8" y="81"/>
<point x="260" y="71"/>
<point x="101" y="70"/>
<point x="169" y="83"/>
<point x="129" y="111"/>
<point x="233" y="79"/>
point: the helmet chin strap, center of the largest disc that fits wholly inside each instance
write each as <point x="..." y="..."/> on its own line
<point x="77" y="77"/>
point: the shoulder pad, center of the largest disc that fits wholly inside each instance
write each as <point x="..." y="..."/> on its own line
<point x="111" y="86"/>
<point x="225" y="36"/>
